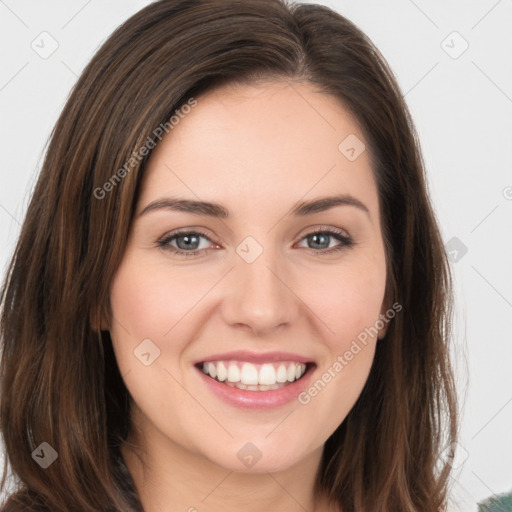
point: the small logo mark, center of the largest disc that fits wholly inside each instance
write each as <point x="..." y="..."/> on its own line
<point x="44" y="455"/>
<point x="249" y="455"/>
<point x="351" y="147"/>
<point x="146" y="352"/>
<point x="249" y="249"/>
<point x="507" y="193"/>
<point x="455" y="249"/>
<point x="454" y="45"/>
<point x="45" y="45"/>
<point x="454" y="455"/>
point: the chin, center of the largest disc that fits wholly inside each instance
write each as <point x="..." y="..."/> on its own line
<point x="258" y="454"/>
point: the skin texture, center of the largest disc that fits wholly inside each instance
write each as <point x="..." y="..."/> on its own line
<point x="257" y="150"/>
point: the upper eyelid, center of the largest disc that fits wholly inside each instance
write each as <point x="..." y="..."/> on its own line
<point x="183" y="232"/>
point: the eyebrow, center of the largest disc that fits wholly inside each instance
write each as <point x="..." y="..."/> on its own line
<point x="216" y="210"/>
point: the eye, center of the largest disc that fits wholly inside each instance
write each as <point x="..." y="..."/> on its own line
<point x="188" y="242"/>
<point x="320" y="240"/>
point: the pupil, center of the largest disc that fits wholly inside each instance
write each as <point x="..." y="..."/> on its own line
<point x="187" y="244"/>
<point x="315" y="237"/>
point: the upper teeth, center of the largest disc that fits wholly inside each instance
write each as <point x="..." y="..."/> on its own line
<point x="253" y="374"/>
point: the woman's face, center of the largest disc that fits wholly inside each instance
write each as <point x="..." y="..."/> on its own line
<point x="257" y="289"/>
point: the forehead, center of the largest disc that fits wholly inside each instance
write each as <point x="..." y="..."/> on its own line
<point x="261" y="143"/>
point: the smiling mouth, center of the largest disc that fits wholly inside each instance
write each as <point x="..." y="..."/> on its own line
<point x="255" y="377"/>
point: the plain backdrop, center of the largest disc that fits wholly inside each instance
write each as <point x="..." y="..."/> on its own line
<point x="453" y="61"/>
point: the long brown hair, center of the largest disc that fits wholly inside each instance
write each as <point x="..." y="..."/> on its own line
<point x="60" y="383"/>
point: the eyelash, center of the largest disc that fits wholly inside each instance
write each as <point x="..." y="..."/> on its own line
<point x="346" y="241"/>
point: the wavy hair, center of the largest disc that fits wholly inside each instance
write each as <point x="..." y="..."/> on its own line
<point x="59" y="380"/>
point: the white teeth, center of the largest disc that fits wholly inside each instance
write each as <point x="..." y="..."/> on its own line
<point x="249" y="374"/>
<point x="233" y="373"/>
<point x="222" y="373"/>
<point x="281" y="374"/>
<point x="212" y="370"/>
<point x="267" y="375"/>
<point x="253" y="377"/>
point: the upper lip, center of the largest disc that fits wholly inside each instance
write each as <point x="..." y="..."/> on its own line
<point x="255" y="357"/>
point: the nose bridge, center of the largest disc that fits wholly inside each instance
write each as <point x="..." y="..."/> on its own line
<point x="260" y="297"/>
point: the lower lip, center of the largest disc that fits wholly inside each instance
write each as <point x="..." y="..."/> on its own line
<point x="258" y="399"/>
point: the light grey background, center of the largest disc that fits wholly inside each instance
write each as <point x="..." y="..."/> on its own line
<point x="462" y="108"/>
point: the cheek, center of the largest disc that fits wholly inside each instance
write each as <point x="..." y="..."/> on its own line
<point x="347" y="300"/>
<point x="149" y="301"/>
<point x="348" y="303"/>
<point x="351" y="310"/>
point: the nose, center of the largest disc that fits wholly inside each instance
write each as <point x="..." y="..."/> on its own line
<point x="260" y="295"/>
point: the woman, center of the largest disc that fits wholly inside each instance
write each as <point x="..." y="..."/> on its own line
<point x="258" y="370"/>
